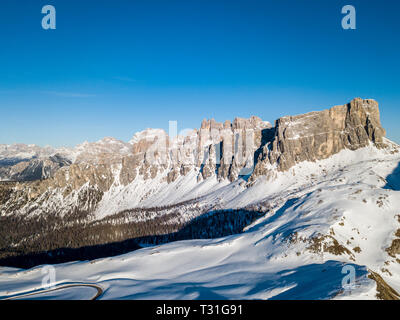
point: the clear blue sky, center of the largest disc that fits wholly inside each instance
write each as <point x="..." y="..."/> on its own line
<point x="112" y="68"/>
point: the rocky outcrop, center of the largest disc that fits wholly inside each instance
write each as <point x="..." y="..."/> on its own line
<point x="319" y="135"/>
<point x="221" y="149"/>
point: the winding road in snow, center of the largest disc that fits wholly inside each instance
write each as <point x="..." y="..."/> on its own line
<point x="66" y="286"/>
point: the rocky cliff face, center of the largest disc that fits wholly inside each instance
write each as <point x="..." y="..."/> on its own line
<point x="245" y="147"/>
<point x="222" y="149"/>
<point x="228" y="150"/>
<point x="319" y="135"/>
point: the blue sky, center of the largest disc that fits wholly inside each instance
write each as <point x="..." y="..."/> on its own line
<point x="112" y="68"/>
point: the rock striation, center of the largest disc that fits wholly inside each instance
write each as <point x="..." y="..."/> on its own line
<point x="319" y="135"/>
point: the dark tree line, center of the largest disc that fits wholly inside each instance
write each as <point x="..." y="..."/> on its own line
<point x="50" y="238"/>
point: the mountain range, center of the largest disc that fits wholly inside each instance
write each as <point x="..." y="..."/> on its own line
<point x="234" y="210"/>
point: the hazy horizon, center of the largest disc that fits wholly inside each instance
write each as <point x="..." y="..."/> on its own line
<point x="116" y="69"/>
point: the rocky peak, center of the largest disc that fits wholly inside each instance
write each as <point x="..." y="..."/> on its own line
<point x="103" y="151"/>
<point x="220" y="149"/>
<point x="319" y="135"/>
<point x="211" y="124"/>
<point x="252" y="123"/>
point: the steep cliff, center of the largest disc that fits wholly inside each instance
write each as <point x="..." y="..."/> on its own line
<point x="319" y="135"/>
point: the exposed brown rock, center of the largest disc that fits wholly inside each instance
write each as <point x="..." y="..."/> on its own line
<point x="384" y="291"/>
<point x="394" y="248"/>
<point x="319" y="135"/>
<point x="327" y="244"/>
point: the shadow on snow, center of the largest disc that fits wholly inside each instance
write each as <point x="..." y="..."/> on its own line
<point x="393" y="179"/>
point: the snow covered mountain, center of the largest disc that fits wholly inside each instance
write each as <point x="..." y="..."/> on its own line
<point x="261" y="212"/>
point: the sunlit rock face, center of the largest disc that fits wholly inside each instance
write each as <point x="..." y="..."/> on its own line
<point x="319" y="135"/>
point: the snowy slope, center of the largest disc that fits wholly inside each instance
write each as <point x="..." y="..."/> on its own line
<point x="320" y="217"/>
